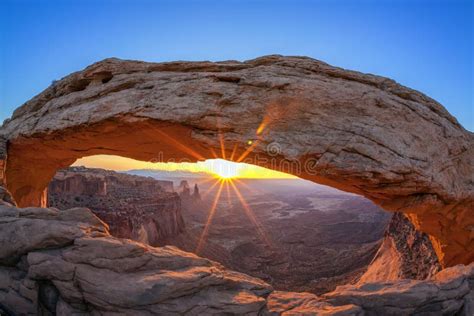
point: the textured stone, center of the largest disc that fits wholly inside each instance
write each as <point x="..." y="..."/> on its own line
<point x="404" y="254"/>
<point x="444" y="294"/>
<point x="357" y="132"/>
<point x="32" y="230"/>
<point x="288" y="303"/>
<point x="96" y="274"/>
<point x="18" y="294"/>
<point x="134" y="207"/>
<point x="5" y="197"/>
<point x="3" y="159"/>
<point x="121" y="276"/>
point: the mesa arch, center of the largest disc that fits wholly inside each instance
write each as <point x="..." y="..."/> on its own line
<point x="360" y="133"/>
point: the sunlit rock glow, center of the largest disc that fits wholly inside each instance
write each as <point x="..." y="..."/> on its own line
<point x="357" y="132"/>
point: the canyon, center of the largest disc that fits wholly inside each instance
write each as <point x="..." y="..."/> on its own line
<point x="67" y="263"/>
<point x="343" y="235"/>
<point x="357" y="132"/>
<point x="138" y="208"/>
<point x="314" y="237"/>
<point x="294" y="235"/>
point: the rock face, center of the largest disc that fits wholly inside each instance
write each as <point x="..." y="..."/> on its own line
<point x="71" y="183"/>
<point x="405" y="254"/>
<point x="447" y="293"/>
<point x="66" y="262"/>
<point x="357" y="132"/>
<point x="139" y="208"/>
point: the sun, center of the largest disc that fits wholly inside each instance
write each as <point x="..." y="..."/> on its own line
<point x="224" y="169"/>
<point x="227" y="174"/>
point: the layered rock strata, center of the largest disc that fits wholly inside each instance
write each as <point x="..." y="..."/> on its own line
<point x="139" y="208"/>
<point x="405" y="253"/>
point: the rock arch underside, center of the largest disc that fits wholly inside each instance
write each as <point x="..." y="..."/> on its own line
<point x="357" y="132"/>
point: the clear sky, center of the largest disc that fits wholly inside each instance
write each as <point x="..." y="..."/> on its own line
<point x="426" y="45"/>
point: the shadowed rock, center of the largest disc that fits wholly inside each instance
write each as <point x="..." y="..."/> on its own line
<point x="77" y="268"/>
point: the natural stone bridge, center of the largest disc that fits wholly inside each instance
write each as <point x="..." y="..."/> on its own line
<point x="357" y="132"/>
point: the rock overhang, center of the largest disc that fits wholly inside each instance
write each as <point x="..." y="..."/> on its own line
<point x="362" y="133"/>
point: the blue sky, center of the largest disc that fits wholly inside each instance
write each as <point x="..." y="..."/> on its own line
<point x="426" y="45"/>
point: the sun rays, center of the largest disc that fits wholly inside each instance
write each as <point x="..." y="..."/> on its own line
<point x="226" y="172"/>
<point x="229" y="185"/>
<point x="210" y="217"/>
<point x="226" y="167"/>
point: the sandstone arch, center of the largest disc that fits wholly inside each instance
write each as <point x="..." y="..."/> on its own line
<point x="361" y="133"/>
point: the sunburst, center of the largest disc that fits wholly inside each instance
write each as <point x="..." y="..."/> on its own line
<point x="210" y="217"/>
<point x="226" y="172"/>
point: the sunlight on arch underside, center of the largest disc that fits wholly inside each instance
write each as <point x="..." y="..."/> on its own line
<point x="225" y="171"/>
<point x="217" y="167"/>
<point x="223" y="174"/>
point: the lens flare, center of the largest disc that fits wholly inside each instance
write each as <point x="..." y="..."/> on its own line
<point x="212" y="211"/>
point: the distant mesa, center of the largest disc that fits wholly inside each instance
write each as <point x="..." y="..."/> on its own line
<point x="165" y="174"/>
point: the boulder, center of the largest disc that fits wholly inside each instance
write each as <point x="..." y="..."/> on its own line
<point x="444" y="294"/>
<point x="66" y="262"/>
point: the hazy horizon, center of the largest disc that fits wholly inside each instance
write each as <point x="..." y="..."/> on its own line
<point x="215" y="167"/>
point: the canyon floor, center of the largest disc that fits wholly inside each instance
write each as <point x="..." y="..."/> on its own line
<point x="295" y="235"/>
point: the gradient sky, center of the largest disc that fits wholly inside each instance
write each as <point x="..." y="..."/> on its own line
<point x="426" y="45"/>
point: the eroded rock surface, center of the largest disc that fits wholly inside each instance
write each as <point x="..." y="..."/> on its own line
<point x="77" y="268"/>
<point x="357" y="132"/>
<point x="134" y="207"/>
<point x="96" y="273"/>
<point x="447" y="293"/>
<point x="405" y="253"/>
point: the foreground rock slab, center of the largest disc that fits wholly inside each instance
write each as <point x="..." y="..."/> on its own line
<point x="445" y="294"/>
<point x="66" y="262"/>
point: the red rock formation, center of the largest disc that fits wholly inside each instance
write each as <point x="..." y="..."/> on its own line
<point x="134" y="207"/>
<point x="405" y="254"/>
<point x="357" y="132"/>
<point x="184" y="190"/>
<point x="78" y="185"/>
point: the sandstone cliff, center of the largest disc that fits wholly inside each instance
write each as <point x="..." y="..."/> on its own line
<point x="139" y="208"/>
<point x="66" y="262"/>
<point x="404" y="254"/>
